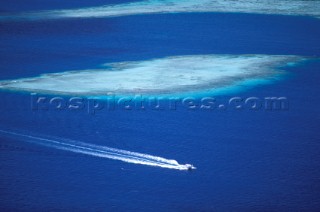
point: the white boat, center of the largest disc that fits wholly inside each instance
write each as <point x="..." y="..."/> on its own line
<point x="190" y="167"/>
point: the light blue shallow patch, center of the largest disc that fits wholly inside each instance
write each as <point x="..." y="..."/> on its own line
<point x="278" y="7"/>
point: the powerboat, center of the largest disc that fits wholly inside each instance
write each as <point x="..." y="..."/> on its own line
<point x="190" y="167"/>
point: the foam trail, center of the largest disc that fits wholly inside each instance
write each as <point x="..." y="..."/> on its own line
<point x="102" y="151"/>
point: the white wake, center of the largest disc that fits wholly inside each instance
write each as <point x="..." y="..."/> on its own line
<point x="102" y="151"/>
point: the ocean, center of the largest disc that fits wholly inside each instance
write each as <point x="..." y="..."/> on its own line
<point x="246" y="160"/>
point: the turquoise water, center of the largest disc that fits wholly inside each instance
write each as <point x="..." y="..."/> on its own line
<point x="246" y="160"/>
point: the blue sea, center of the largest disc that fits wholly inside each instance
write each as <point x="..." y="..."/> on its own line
<point x="246" y="160"/>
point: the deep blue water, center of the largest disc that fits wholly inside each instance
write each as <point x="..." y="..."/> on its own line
<point x="15" y="6"/>
<point x="246" y="160"/>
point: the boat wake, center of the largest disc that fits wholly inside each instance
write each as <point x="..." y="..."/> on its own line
<point x="101" y="151"/>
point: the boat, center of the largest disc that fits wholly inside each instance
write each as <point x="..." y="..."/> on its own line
<point x="190" y="167"/>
